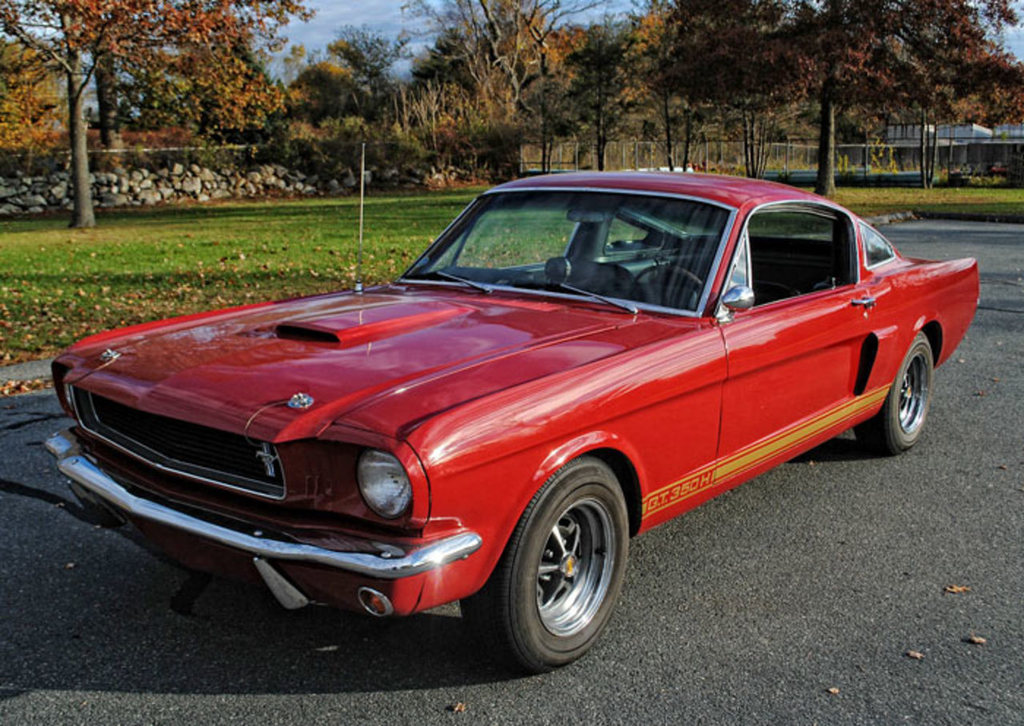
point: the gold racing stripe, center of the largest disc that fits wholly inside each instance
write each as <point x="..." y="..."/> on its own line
<point x="752" y="456"/>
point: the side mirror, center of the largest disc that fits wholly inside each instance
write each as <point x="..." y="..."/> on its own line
<point x="739" y="297"/>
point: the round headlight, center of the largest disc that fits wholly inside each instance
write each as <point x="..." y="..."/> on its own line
<point x="383" y="483"/>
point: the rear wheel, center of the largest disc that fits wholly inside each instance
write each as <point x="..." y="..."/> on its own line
<point x="553" y="591"/>
<point x="898" y="425"/>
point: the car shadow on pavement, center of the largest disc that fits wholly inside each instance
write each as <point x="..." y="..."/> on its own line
<point x="842" y="448"/>
<point x="94" y="611"/>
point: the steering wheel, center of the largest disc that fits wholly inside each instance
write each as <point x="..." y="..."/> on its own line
<point x="768" y="285"/>
<point x="639" y="281"/>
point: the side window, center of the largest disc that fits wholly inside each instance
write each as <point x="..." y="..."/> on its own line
<point x="876" y="247"/>
<point x="625" y="237"/>
<point x="798" y="250"/>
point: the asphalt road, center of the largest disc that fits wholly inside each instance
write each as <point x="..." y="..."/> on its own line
<point x="820" y="575"/>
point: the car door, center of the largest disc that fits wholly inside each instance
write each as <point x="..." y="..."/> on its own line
<point x="795" y="359"/>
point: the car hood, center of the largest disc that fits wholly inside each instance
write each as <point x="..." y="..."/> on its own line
<point x="429" y="348"/>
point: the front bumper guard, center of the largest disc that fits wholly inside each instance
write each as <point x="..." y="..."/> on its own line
<point x="389" y="563"/>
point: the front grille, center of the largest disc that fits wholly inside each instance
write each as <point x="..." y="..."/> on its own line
<point x="196" y="451"/>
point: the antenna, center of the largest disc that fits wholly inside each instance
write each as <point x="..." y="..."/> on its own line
<point x="362" y="199"/>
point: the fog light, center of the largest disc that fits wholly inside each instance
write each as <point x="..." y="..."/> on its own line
<point x="374" y="602"/>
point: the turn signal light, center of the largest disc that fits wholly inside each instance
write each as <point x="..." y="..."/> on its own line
<point x="374" y="602"/>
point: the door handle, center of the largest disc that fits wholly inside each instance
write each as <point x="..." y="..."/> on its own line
<point x="866" y="302"/>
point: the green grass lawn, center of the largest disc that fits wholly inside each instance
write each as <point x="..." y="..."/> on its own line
<point x="980" y="200"/>
<point x="58" y="285"/>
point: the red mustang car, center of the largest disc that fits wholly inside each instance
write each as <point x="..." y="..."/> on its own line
<point x="576" y="359"/>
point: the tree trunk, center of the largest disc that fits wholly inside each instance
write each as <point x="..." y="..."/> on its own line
<point x="826" y="181"/>
<point x="923" y="148"/>
<point x="666" y="117"/>
<point x="106" y="100"/>
<point x="754" y="134"/>
<point x="933" y="152"/>
<point x="545" y="156"/>
<point x="746" y="142"/>
<point x="82" y="213"/>
<point x="688" y="133"/>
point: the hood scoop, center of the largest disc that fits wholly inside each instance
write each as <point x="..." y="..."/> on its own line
<point x="367" y="325"/>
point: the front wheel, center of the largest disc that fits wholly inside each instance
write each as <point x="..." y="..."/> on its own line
<point x="898" y="425"/>
<point x="555" y="587"/>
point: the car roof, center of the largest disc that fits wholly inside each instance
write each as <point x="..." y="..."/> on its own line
<point x="728" y="190"/>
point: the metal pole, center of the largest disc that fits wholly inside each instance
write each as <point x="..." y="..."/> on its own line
<point x="362" y="199"/>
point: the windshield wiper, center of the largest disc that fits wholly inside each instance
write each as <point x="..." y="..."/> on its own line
<point x="552" y="285"/>
<point x="454" y="278"/>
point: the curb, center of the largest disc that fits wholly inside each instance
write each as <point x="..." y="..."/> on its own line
<point x="890" y="218"/>
<point x="973" y="217"/>
<point x="27" y="371"/>
<point x="895" y="217"/>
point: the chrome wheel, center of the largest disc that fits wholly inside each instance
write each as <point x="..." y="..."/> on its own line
<point x="554" y="589"/>
<point x="899" y="423"/>
<point x="575" y="568"/>
<point x="913" y="396"/>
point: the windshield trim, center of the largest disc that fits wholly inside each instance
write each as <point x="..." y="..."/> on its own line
<point x="716" y="263"/>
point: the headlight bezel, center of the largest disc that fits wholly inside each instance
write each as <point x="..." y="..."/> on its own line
<point x="384" y="483"/>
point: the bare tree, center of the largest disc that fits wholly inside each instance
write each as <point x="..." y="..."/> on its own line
<point x="502" y="43"/>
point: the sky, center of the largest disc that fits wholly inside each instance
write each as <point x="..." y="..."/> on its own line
<point x="385" y="16"/>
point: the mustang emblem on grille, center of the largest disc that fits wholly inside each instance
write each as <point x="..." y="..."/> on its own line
<point x="268" y="457"/>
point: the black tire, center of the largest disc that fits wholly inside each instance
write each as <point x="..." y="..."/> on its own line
<point x="537" y="615"/>
<point x="899" y="424"/>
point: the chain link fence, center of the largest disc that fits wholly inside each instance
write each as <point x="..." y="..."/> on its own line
<point x="796" y="161"/>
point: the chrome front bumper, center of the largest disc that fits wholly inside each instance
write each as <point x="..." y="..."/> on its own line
<point x="389" y="563"/>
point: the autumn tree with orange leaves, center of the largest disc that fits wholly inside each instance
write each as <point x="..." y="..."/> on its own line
<point x="73" y="36"/>
<point x="883" y="51"/>
<point x="28" y="99"/>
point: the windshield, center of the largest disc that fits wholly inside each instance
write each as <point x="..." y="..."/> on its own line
<point x="644" y="249"/>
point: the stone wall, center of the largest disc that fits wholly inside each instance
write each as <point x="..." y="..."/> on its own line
<point x="139" y="187"/>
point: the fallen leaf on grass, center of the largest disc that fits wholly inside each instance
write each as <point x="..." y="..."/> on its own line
<point x="915" y="654"/>
<point x="975" y="639"/>
<point x="459" y="707"/>
<point x="956" y="589"/>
